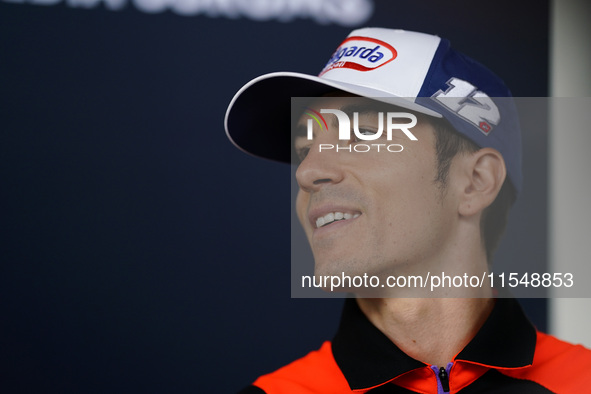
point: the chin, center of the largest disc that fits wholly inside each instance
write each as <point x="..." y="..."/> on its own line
<point x="338" y="266"/>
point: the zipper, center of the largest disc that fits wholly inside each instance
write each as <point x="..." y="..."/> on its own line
<point x="442" y="375"/>
<point x="443" y="379"/>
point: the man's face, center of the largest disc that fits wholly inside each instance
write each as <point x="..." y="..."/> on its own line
<point x="391" y="215"/>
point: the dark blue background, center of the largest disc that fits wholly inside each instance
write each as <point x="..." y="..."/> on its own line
<point x="142" y="252"/>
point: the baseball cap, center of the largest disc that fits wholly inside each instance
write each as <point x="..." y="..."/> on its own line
<point x="416" y="71"/>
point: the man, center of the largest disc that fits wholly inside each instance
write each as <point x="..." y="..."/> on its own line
<point x="408" y="163"/>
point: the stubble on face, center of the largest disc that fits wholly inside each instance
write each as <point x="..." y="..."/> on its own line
<point x="399" y="200"/>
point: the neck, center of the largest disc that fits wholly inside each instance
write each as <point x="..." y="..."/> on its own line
<point x="434" y="330"/>
<point x="431" y="330"/>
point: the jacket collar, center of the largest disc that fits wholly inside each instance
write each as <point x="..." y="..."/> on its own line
<point x="368" y="358"/>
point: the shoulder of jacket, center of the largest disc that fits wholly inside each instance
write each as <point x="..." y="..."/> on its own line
<point x="558" y="365"/>
<point x="316" y="372"/>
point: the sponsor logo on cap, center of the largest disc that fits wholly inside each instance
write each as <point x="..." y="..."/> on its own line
<point x="361" y="54"/>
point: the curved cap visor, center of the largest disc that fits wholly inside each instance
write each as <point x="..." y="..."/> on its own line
<point x="257" y="119"/>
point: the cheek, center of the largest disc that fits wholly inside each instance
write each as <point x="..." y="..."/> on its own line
<point x="302" y="207"/>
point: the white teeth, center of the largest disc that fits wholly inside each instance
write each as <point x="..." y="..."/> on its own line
<point x="334" y="216"/>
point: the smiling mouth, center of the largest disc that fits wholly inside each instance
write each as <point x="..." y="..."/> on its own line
<point x="334" y="217"/>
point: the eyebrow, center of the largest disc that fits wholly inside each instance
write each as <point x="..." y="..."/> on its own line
<point x="361" y="109"/>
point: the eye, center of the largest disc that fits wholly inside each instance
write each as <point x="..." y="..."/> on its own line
<point x="302" y="153"/>
<point x="362" y="131"/>
<point x="301" y="148"/>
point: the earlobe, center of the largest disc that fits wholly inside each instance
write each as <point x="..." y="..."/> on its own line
<point x="484" y="174"/>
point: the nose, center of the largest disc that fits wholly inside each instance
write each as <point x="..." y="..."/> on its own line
<point x="320" y="167"/>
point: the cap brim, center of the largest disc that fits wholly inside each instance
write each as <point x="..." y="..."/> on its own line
<point x="257" y="119"/>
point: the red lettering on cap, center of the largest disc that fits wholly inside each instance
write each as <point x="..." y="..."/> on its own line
<point x="361" y="54"/>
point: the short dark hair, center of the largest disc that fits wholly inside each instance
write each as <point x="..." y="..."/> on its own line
<point x="448" y="144"/>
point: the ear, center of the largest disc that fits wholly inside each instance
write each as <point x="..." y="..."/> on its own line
<point x="482" y="173"/>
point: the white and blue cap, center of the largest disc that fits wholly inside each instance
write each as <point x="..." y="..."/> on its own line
<point x="416" y="71"/>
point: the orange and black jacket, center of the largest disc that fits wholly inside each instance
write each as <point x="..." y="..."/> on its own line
<point x="506" y="356"/>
